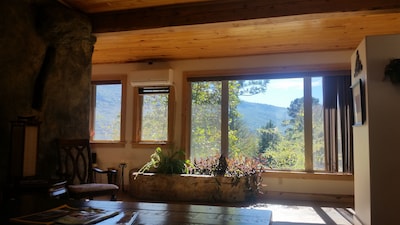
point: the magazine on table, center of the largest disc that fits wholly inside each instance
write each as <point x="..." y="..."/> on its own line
<point x="44" y="217"/>
<point x="128" y="217"/>
<point x="85" y="216"/>
<point x="65" y="214"/>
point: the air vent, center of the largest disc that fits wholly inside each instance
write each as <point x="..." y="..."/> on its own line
<point x="143" y="78"/>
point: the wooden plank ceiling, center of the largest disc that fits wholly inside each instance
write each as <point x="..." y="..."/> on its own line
<point x="151" y="30"/>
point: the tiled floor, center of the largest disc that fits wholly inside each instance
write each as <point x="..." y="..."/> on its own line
<point x="293" y="212"/>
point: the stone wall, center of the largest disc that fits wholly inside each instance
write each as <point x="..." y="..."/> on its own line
<point x="45" y="71"/>
<point x="190" y="188"/>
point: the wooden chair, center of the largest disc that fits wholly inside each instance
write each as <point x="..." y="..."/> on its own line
<point x="76" y="168"/>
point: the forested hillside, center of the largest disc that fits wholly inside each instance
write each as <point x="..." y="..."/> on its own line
<point x="255" y="115"/>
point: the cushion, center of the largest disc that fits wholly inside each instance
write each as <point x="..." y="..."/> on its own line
<point x="92" y="187"/>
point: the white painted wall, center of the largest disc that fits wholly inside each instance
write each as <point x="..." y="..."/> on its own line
<point x="361" y="148"/>
<point x="310" y="186"/>
<point x="135" y="158"/>
<point x="376" y="145"/>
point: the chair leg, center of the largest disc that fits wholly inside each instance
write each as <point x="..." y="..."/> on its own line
<point x="113" y="197"/>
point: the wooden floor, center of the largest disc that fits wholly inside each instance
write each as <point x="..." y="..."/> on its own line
<point x="290" y="212"/>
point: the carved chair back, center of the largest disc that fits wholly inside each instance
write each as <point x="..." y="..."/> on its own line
<point x="75" y="161"/>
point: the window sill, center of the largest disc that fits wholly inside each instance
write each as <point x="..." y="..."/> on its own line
<point x="308" y="175"/>
<point x="108" y="143"/>
<point x="151" y="144"/>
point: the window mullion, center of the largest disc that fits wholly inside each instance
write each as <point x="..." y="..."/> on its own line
<point x="308" y="136"/>
<point x="224" y="118"/>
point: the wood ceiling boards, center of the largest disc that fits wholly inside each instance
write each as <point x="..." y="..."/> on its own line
<point x="129" y="31"/>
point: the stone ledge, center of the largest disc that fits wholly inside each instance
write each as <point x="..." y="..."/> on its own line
<point x="188" y="188"/>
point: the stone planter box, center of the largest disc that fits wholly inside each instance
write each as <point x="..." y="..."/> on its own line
<point x="188" y="188"/>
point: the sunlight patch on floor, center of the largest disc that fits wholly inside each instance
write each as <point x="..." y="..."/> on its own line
<point x="334" y="214"/>
<point x="289" y="213"/>
<point x="306" y="214"/>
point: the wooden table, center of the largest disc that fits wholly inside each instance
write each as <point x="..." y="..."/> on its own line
<point x="178" y="214"/>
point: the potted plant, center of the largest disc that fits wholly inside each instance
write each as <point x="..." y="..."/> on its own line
<point x="215" y="179"/>
<point x="170" y="162"/>
<point x="239" y="170"/>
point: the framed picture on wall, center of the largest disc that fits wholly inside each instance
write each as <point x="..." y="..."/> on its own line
<point x="358" y="103"/>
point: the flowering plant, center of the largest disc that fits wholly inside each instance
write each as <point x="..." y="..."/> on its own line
<point x="236" y="168"/>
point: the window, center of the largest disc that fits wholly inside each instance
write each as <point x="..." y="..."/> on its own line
<point x="281" y="121"/>
<point x="154" y="112"/>
<point x="107" y="114"/>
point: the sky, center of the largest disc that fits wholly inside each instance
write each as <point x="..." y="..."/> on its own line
<point x="281" y="92"/>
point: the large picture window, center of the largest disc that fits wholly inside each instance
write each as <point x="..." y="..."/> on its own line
<point x="282" y="122"/>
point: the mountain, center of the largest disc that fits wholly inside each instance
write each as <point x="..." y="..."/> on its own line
<point x="256" y="115"/>
<point x="108" y="100"/>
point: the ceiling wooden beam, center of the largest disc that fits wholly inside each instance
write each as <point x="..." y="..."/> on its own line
<point x="224" y="11"/>
<point x="98" y="6"/>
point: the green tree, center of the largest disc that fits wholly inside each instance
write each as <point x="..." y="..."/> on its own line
<point x="242" y="142"/>
<point x="155" y="117"/>
<point x="295" y="125"/>
<point x="252" y="87"/>
<point x="107" y="128"/>
<point x="206" y="118"/>
<point x="289" y="152"/>
<point x="318" y="137"/>
<point x="269" y="136"/>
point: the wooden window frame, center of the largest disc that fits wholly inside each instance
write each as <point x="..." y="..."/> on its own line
<point x="254" y="73"/>
<point x="109" y="79"/>
<point x="137" y="121"/>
